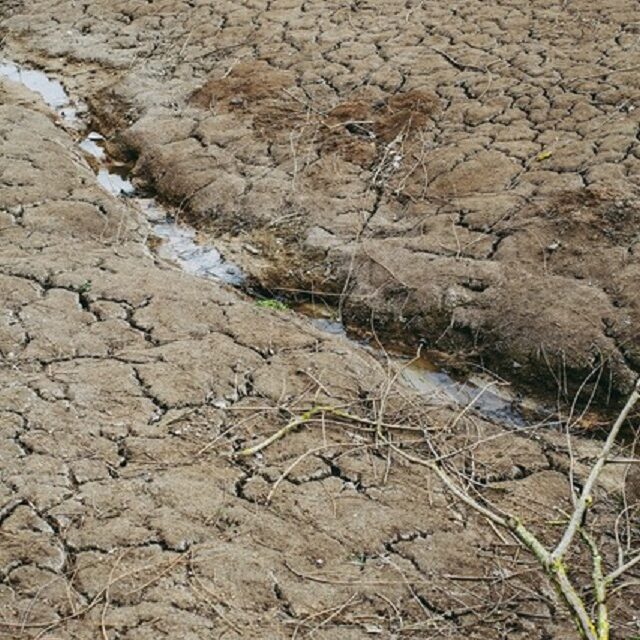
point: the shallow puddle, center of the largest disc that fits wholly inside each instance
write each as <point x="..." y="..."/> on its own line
<point x="322" y="317"/>
<point x="200" y="260"/>
<point x="486" y="397"/>
<point x="114" y="183"/>
<point x="92" y="145"/>
<point x="51" y="91"/>
<point x="112" y="176"/>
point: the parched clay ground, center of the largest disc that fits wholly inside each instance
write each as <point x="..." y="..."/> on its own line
<point x="126" y="386"/>
<point x="466" y="171"/>
<point x="122" y="513"/>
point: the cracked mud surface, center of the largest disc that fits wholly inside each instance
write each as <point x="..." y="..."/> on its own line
<point x="465" y="172"/>
<point x="122" y="511"/>
<point x="127" y="385"/>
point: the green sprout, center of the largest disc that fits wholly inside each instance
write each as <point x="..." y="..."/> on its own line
<point x="274" y="305"/>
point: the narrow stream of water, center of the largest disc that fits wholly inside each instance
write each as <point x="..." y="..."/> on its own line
<point x="52" y="91"/>
<point x="178" y="243"/>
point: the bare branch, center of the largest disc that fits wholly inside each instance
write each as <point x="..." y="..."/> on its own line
<point x="594" y="626"/>
<point x="290" y="426"/>
<point x="599" y="585"/>
<point x="585" y="497"/>
<point x="453" y="487"/>
<point x="555" y="571"/>
<point x="614" y="575"/>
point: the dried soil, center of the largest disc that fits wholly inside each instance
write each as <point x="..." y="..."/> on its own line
<point x="466" y="173"/>
<point x="126" y="386"/>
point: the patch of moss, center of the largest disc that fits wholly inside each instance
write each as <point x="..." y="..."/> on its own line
<point x="272" y="304"/>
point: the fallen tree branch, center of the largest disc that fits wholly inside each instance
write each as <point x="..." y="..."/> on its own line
<point x="281" y="433"/>
<point x="550" y="561"/>
<point x="586" y="497"/>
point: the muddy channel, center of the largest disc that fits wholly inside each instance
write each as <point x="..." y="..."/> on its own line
<point x="176" y="241"/>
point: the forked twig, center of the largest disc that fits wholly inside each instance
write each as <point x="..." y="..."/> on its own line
<point x="551" y="561"/>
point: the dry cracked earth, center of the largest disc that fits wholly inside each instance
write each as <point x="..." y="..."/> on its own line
<point x="463" y="173"/>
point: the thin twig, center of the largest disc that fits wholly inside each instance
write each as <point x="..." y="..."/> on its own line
<point x="281" y="433"/>
<point x="586" y="495"/>
<point x="623" y="569"/>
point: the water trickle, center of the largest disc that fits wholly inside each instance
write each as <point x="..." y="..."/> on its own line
<point x="92" y="145"/>
<point x="112" y="176"/>
<point x="322" y="317"/>
<point x="487" y="398"/>
<point x="181" y="247"/>
<point x="51" y="91"/>
<point x="114" y="183"/>
<point x="178" y="241"/>
<point x="430" y="381"/>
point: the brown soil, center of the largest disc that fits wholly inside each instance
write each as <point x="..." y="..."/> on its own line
<point x="451" y="168"/>
<point x="391" y="150"/>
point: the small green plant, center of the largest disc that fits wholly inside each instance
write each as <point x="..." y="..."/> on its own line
<point x="85" y="287"/>
<point x="274" y="305"/>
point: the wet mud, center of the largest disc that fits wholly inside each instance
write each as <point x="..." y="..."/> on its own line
<point x="178" y="243"/>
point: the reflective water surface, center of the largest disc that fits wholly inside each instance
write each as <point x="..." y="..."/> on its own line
<point x="52" y="91"/>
